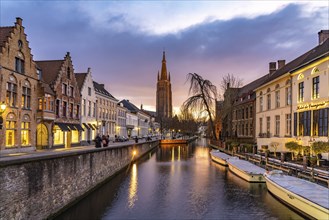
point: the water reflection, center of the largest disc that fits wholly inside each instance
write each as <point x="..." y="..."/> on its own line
<point x="179" y="182"/>
<point x="133" y="187"/>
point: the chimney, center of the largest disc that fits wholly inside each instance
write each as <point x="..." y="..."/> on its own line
<point x="272" y="67"/>
<point x="88" y="71"/>
<point x="19" y="21"/>
<point x="228" y="85"/>
<point x="281" y="63"/>
<point x="323" y="36"/>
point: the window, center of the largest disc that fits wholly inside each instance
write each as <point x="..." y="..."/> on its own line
<point x="261" y="125"/>
<point x="251" y="112"/>
<point x="323" y="122"/>
<point x="89" y="108"/>
<point x="94" y="110"/>
<point x="301" y="92"/>
<point x="277" y="99"/>
<point x="64" y="109"/>
<point x="261" y="103"/>
<point x="295" y="124"/>
<point x="64" y="89"/>
<point x="268" y="101"/>
<point x="10" y="130"/>
<point x="246" y="112"/>
<point x="49" y="102"/>
<point x="315" y="89"/>
<point x="57" y="107"/>
<point x="71" y="91"/>
<point x="25" y="131"/>
<point x="89" y="91"/>
<point x="84" y="107"/>
<point x="26" y="96"/>
<point x="304" y="123"/>
<point x="288" y="124"/>
<point x="277" y="125"/>
<point x="11" y="97"/>
<point x="268" y="124"/>
<point x="68" y="73"/>
<point x="78" y="111"/>
<point x="247" y="130"/>
<point x="19" y="65"/>
<point x="71" y="108"/>
<point x="288" y="96"/>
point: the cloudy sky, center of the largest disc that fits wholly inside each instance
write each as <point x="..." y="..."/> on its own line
<point x="122" y="41"/>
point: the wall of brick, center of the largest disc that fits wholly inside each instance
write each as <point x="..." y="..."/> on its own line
<point x="39" y="187"/>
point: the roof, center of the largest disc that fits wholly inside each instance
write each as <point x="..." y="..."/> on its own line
<point x="47" y="88"/>
<point x="80" y="77"/>
<point x="99" y="88"/>
<point x="150" y="113"/>
<point x="310" y="56"/>
<point x="4" y="34"/>
<point x="130" y="106"/>
<point x="49" y="69"/>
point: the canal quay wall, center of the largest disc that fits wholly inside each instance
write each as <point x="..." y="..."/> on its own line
<point x="41" y="187"/>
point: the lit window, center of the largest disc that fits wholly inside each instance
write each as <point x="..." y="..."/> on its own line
<point x="10" y="130"/>
<point x="316" y="81"/>
<point x="25" y="133"/>
<point x="11" y="97"/>
<point x="26" y="96"/>
<point x="58" y="136"/>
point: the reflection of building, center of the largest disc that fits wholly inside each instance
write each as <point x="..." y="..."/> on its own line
<point x="107" y="112"/>
<point x="88" y="106"/>
<point x="18" y="89"/>
<point x="163" y="94"/>
<point x="218" y="119"/>
<point x="59" y="74"/>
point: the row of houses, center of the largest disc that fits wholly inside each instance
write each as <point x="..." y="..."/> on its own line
<point x="49" y="105"/>
<point x="289" y="103"/>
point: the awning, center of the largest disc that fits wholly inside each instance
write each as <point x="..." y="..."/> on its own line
<point x="95" y="127"/>
<point x="71" y="126"/>
<point x="79" y="127"/>
<point x="91" y="126"/>
<point x="63" y="126"/>
<point x="86" y="126"/>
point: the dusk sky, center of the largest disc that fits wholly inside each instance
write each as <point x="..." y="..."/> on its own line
<point x="122" y="41"/>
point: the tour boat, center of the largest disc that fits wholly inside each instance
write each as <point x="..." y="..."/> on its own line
<point x="246" y="170"/>
<point x="219" y="157"/>
<point x="304" y="196"/>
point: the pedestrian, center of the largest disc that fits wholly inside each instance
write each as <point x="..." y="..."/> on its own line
<point x="98" y="141"/>
<point x="104" y="141"/>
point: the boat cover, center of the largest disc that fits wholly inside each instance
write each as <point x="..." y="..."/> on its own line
<point x="246" y="166"/>
<point x="311" y="191"/>
<point x="220" y="155"/>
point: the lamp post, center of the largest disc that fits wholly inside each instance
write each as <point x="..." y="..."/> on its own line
<point x="3" y="107"/>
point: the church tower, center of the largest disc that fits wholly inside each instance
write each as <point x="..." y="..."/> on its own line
<point x="163" y="100"/>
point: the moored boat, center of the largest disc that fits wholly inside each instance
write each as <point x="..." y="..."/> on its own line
<point x="219" y="157"/>
<point x="246" y="170"/>
<point x="304" y="196"/>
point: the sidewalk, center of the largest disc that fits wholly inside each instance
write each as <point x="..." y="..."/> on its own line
<point x="57" y="151"/>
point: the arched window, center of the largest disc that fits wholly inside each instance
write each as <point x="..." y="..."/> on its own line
<point x="25" y="130"/>
<point x="10" y="130"/>
<point x="11" y="95"/>
<point x="26" y="95"/>
<point x="315" y="70"/>
<point x="300" y="76"/>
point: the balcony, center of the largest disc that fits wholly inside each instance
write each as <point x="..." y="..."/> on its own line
<point x="46" y="115"/>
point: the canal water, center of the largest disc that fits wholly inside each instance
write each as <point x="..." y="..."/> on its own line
<point x="179" y="182"/>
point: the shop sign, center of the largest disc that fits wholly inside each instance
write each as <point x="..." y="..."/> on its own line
<point x="312" y="105"/>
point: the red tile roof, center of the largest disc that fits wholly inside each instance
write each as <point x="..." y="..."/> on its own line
<point x="80" y="77"/>
<point x="50" y="69"/>
<point x="4" y="34"/>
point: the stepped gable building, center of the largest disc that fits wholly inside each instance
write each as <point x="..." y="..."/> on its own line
<point x="106" y="115"/>
<point x="66" y="128"/>
<point x="163" y="94"/>
<point x="18" y="90"/>
<point x="88" y="106"/>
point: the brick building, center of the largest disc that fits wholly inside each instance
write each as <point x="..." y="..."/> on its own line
<point x="18" y="90"/>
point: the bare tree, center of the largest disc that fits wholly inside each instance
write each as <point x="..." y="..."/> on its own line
<point x="203" y="97"/>
<point x="229" y="81"/>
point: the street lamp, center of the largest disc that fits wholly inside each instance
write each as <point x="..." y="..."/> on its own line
<point x="3" y="107"/>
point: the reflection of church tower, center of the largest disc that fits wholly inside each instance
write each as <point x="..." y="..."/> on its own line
<point x="164" y="100"/>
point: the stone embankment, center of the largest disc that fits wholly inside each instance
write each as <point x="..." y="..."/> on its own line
<point x="39" y="187"/>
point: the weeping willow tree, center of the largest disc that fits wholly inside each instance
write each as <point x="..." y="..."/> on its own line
<point x="202" y="97"/>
